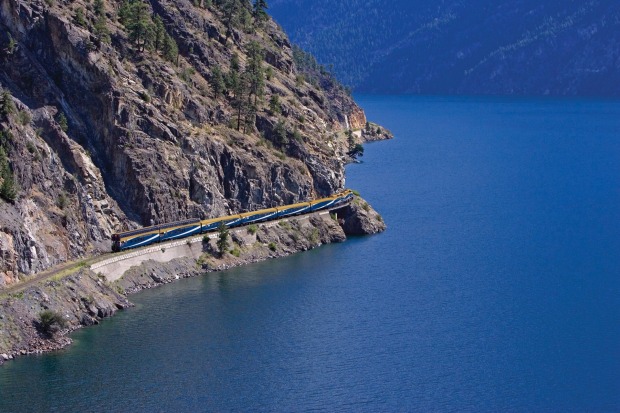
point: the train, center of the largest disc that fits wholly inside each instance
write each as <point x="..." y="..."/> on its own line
<point x="181" y="229"/>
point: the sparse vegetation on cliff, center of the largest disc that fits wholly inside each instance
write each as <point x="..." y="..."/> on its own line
<point x="132" y="113"/>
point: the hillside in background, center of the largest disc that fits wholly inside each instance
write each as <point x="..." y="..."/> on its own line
<point x="523" y="47"/>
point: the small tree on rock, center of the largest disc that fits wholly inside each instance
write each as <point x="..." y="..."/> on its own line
<point x="222" y="239"/>
<point x="217" y="82"/>
<point x="356" y="151"/>
<point x="259" y="12"/>
<point x="8" y="189"/>
<point x="7" y="106"/>
<point x="50" y="321"/>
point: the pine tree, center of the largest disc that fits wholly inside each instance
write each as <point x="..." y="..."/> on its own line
<point x="350" y="139"/>
<point x="101" y="30"/>
<point x="255" y="72"/>
<point x="62" y="122"/>
<point x="222" y="239"/>
<point x="217" y="82"/>
<point x="7" y="106"/>
<point x="8" y="191"/>
<point x="170" y="49"/>
<point x="160" y="33"/>
<point x="357" y="150"/>
<point x="99" y="7"/>
<point x="259" y="12"/>
<point x="274" y="104"/>
<point x="280" y="134"/>
<point x="135" y="16"/>
<point x="240" y="104"/>
<point x="250" y="118"/>
<point x="233" y="13"/>
<point x="232" y="80"/>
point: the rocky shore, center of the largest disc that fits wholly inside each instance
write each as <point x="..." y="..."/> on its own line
<point x="85" y="298"/>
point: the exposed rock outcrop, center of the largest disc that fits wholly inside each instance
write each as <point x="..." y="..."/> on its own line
<point x="359" y="218"/>
<point x="112" y="136"/>
<point x="81" y="300"/>
<point x="357" y="119"/>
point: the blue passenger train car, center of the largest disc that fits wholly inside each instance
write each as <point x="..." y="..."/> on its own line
<point x="181" y="229"/>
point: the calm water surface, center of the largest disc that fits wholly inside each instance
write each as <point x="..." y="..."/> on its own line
<point x="496" y="287"/>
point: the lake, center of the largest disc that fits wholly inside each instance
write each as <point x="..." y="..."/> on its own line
<point x="495" y="288"/>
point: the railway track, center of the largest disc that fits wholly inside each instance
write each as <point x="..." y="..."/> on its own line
<point x="71" y="267"/>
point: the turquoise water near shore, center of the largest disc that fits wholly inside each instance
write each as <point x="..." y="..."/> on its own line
<point x="495" y="288"/>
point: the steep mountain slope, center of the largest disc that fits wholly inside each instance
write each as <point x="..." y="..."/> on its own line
<point x="522" y="47"/>
<point x="116" y="114"/>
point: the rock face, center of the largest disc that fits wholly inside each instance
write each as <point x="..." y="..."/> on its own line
<point x="359" y="218"/>
<point x="81" y="300"/>
<point x="106" y="137"/>
<point x="357" y="119"/>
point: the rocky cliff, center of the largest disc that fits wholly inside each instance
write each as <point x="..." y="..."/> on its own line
<point x="110" y="121"/>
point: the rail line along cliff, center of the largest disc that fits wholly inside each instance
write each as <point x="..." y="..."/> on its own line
<point x="120" y="114"/>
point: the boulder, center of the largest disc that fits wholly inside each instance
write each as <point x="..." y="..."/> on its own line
<point x="359" y="218"/>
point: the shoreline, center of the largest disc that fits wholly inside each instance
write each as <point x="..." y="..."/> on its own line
<point x="84" y="298"/>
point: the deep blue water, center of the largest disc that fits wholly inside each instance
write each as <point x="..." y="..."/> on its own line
<point x="496" y="287"/>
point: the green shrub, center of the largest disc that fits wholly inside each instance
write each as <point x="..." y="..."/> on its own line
<point x="51" y="321"/>
<point x="253" y="229"/>
<point x="236" y="252"/>
<point x="62" y="122"/>
<point x="62" y="201"/>
<point x="79" y="18"/>
<point x="268" y="73"/>
<point x="202" y="260"/>
<point x="186" y="74"/>
<point x="7" y="106"/>
<point x="24" y="117"/>
<point x="272" y="246"/>
<point x="8" y="188"/>
<point x="145" y="97"/>
<point x="274" y="105"/>
<point x="315" y="236"/>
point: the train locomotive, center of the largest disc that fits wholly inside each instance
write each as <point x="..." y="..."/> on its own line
<point x="182" y="229"/>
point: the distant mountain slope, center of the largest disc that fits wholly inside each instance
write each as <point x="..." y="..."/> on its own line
<point x="523" y="47"/>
